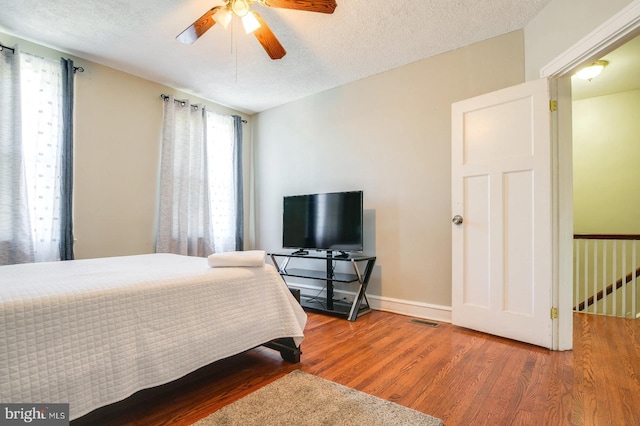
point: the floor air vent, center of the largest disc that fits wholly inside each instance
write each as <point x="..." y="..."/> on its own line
<point x="424" y="322"/>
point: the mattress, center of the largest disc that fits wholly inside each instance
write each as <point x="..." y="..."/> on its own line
<point x="93" y="332"/>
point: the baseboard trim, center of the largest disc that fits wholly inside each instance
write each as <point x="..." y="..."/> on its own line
<point x="388" y="304"/>
<point x="411" y="308"/>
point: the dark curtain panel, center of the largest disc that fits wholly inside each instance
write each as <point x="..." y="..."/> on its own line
<point x="66" y="187"/>
<point x="237" y="146"/>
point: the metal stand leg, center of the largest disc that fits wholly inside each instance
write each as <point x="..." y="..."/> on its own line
<point x="361" y="294"/>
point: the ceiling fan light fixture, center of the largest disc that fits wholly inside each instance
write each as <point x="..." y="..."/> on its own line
<point x="250" y="22"/>
<point x="592" y="71"/>
<point x="223" y="16"/>
<point x="240" y="7"/>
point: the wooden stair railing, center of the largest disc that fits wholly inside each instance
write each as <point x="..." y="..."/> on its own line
<point x="619" y="283"/>
<point x="600" y="295"/>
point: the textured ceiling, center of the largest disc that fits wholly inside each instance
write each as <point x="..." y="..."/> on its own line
<point x="362" y="38"/>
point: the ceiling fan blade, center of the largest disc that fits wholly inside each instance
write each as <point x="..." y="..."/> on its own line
<point x="268" y="40"/>
<point x="193" y="32"/>
<point x="322" y="6"/>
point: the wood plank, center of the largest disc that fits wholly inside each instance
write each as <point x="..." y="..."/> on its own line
<point x="458" y="375"/>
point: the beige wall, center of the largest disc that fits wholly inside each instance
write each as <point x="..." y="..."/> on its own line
<point x="388" y="135"/>
<point x="606" y="150"/>
<point x="560" y="25"/>
<point x="118" y="121"/>
<point x="118" y="129"/>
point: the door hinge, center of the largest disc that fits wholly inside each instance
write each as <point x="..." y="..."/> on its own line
<point x="553" y="105"/>
<point x="554" y="313"/>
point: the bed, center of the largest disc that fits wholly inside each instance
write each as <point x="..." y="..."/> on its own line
<point x="93" y="332"/>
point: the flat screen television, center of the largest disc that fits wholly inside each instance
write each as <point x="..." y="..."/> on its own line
<point x="330" y="221"/>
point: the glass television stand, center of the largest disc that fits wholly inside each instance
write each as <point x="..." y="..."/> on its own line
<point x="328" y="304"/>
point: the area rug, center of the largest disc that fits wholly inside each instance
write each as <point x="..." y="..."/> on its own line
<point x="304" y="399"/>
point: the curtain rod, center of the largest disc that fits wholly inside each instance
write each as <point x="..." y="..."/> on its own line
<point x="3" y="47"/>
<point x="183" y="103"/>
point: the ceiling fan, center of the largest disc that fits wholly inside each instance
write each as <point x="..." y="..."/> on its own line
<point x="252" y="21"/>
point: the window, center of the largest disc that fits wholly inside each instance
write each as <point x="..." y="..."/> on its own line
<point x="200" y="208"/>
<point x="35" y="123"/>
<point x="220" y="167"/>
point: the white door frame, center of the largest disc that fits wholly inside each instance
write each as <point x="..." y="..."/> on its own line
<point x="608" y="36"/>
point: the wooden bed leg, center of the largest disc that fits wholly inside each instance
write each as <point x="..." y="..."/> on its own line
<point x="287" y="348"/>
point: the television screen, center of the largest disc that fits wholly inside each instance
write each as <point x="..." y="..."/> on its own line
<point x="330" y="221"/>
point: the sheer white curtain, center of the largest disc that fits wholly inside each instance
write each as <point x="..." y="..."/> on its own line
<point x="184" y="223"/>
<point x="198" y="208"/>
<point x="41" y="92"/>
<point x="15" y="229"/>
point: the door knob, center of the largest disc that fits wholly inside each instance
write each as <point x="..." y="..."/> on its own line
<point x="457" y="220"/>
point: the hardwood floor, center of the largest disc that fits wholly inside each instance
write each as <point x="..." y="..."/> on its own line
<point x="461" y="376"/>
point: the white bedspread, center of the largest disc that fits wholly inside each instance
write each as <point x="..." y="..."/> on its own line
<point x="92" y="332"/>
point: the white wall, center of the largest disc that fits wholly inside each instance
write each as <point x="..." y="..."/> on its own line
<point x="118" y="122"/>
<point x="560" y="25"/>
<point x="388" y="135"/>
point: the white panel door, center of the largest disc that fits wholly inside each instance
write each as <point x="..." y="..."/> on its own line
<point x="501" y="190"/>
